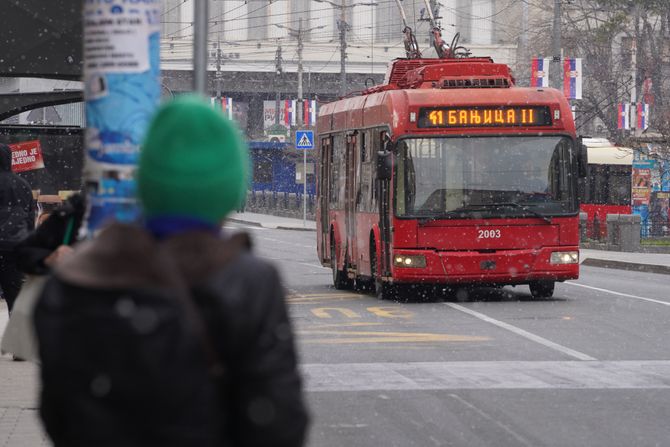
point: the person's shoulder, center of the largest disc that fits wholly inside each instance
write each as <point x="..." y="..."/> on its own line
<point x="247" y="281"/>
<point x="250" y="267"/>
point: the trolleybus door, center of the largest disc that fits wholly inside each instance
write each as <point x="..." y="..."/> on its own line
<point x="384" y="171"/>
<point x="324" y="195"/>
<point x="350" y="197"/>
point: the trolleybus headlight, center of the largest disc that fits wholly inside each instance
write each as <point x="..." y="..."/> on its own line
<point x="415" y="261"/>
<point x="564" y="257"/>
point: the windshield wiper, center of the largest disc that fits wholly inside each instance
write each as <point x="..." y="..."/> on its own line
<point x="484" y="206"/>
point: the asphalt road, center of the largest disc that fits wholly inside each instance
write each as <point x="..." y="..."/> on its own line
<point x="590" y="367"/>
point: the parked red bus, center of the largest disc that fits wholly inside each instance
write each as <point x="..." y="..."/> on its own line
<point x="449" y="174"/>
<point x="607" y="186"/>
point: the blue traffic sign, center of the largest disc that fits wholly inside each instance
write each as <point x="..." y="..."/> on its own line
<point x="304" y="139"/>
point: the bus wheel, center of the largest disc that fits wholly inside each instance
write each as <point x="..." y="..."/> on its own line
<point x="340" y="279"/>
<point x="542" y="289"/>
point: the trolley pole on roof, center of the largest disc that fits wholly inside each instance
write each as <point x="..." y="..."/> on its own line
<point x="200" y="46"/>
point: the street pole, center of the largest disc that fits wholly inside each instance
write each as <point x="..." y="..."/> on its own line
<point x="299" y="103"/>
<point x="219" y="75"/>
<point x="524" y="39"/>
<point x="556" y="63"/>
<point x="301" y="121"/>
<point x="200" y="46"/>
<point x="343" y="48"/>
<point x="278" y="71"/>
<point x="300" y="47"/>
<point x="633" y="68"/>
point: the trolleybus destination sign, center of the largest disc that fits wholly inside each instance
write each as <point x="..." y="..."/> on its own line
<point x="513" y="116"/>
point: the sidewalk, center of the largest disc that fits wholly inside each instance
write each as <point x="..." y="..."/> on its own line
<point x="639" y="262"/>
<point x="642" y="262"/>
<point x="19" y="421"/>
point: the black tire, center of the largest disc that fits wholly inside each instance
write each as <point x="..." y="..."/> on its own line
<point x="340" y="279"/>
<point x="542" y="289"/>
<point x="383" y="290"/>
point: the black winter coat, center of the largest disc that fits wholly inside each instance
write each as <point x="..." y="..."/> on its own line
<point x="17" y="209"/>
<point x="242" y="302"/>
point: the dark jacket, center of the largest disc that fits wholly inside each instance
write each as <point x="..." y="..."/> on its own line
<point x="31" y="251"/>
<point x="242" y="302"/>
<point x="17" y="209"/>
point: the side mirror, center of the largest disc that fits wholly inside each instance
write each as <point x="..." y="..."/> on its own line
<point x="582" y="160"/>
<point x="384" y="166"/>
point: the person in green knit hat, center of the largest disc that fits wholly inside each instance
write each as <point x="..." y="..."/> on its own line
<point x="170" y="332"/>
<point x="193" y="167"/>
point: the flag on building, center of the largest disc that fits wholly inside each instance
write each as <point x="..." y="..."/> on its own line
<point x="290" y="112"/>
<point x="539" y="72"/>
<point x="572" y="78"/>
<point x="623" y="121"/>
<point x="223" y="104"/>
<point x="642" y="116"/>
<point x="309" y="113"/>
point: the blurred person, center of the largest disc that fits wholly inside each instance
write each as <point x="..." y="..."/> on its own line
<point x="56" y="231"/>
<point x="17" y="220"/>
<point x="35" y="255"/>
<point x="171" y="332"/>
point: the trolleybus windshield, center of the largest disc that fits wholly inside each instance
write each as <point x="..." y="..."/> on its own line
<point x="471" y="177"/>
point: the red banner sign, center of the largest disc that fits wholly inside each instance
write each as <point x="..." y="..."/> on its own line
<point x="26" y="156"/>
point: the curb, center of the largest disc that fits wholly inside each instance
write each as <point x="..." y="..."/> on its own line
<point x="296" y="228"/>
<point x="246" y="222"/>
<point x="631" y="266"/>
<point x="280" y="227"/>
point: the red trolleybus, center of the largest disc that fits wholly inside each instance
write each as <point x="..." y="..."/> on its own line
<point x="449" y="174"/>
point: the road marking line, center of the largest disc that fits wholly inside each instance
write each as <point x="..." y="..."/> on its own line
<point x="487" y="375"/>
<point x="355" y="337"/>
<point x="335" y="325"/>
<point x="523" y="333"/>
<point x="486" y="416"/>
<point x="327" y="294"/>
<point x="322" y="312"/>
<point x="311" y="265"/>
<point x="391" y="312"/>
<point x="651" y="300"/>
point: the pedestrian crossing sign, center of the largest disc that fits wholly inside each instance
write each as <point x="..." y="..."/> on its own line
<point x="304" y="139"/>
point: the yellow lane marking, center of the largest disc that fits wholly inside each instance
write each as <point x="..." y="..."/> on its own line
<point x="315" y="298"/>
<point x="311" y="295"/>
<point x="391" y="312"/>
<point x="354" y="324"/>
<point x="345" y="337"/>
<point x="319" y="300"/>
<point x="323" y="312"/>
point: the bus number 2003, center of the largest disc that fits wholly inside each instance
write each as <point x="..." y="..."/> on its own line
<point x="488" y="234"/>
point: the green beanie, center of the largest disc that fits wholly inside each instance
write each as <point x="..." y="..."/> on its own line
<point x="193" y="163"/>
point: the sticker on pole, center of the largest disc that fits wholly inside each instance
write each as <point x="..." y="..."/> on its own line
<point x="304" y="139"/>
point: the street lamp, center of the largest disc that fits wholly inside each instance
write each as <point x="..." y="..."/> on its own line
<point x="343" y="27"/>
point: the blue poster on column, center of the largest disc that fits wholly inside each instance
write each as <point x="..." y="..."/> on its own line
<point x="122" y="90"/>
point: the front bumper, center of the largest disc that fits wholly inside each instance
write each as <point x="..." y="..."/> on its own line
<point x="486" y="267"/>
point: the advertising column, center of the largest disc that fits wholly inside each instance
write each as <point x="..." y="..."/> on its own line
<point x="122" y="90"/>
